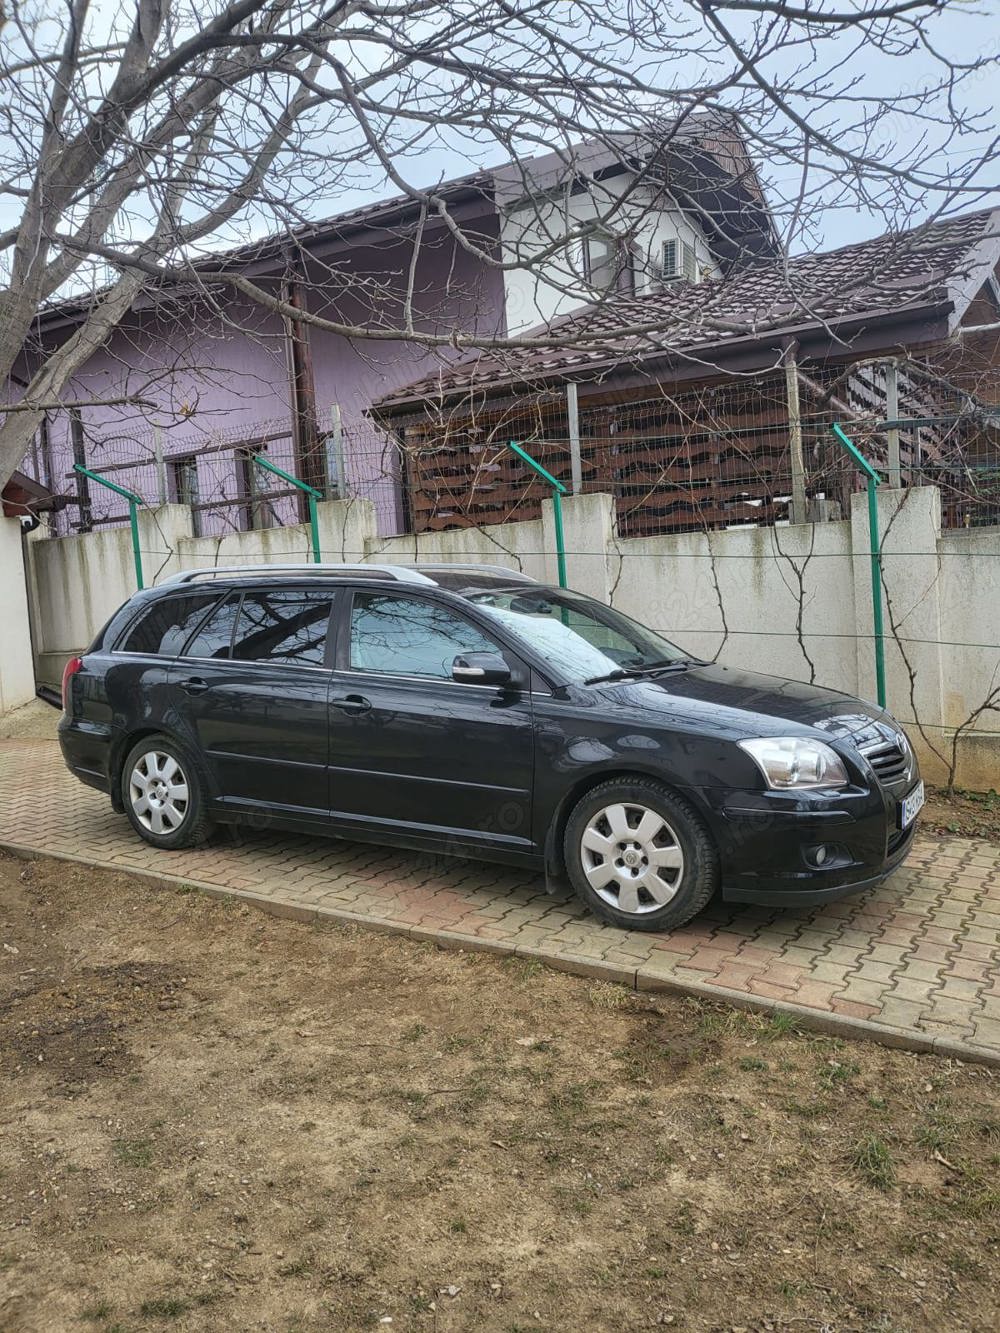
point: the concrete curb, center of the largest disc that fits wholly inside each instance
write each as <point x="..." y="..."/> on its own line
<point x="813" y="1020"/>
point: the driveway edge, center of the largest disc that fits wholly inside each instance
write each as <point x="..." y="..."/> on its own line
<point x="835" y="1025"/>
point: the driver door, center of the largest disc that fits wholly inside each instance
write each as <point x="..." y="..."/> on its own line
<point x="411" y="748"/>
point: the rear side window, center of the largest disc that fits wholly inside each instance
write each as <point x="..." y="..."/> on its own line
<point x="215" y="637"/>
<point x="282" y="626"/>
<point x="168" y="624"/>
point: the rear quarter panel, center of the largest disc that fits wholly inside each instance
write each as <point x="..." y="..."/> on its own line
<point x="112" y="698"/>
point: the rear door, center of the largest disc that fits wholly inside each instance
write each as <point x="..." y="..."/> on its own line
<point x="411" y="749"/>
<point x="129" y="686"/>
<point x="252" y="687"/>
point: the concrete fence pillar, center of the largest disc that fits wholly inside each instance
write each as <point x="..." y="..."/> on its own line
<point x="588" y="527"/>
<point x="348" y="530"/>
<point x="161" y="531"/>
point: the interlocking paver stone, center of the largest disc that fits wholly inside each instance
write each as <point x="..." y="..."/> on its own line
<point x="918" y="956"/>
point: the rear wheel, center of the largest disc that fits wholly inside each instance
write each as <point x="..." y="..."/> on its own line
<point x="639" y="856"/>
<point x="162" y="794"/>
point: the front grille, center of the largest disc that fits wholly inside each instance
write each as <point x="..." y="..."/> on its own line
<point x="889" y="760"/>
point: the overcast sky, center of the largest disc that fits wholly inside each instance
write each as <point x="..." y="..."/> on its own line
<point x="965" y="32"/>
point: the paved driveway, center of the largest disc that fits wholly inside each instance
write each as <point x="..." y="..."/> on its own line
<point x="917" y="961"/>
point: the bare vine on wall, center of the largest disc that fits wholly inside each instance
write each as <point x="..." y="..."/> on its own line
<point x="796" y="585"/>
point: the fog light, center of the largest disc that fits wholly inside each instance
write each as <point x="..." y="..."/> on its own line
<point x="820" y="855"/>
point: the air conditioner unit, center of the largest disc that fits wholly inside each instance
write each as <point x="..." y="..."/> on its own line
<point x="678" y="261"/>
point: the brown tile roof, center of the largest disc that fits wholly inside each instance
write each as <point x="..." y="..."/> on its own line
<point x="889" y="274"/>
<point x="687" y="146"/>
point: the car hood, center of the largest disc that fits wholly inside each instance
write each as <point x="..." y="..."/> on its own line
<point x="745" y="703"/>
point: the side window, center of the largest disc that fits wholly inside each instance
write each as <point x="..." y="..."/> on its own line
<point x="282" y="626"/>
<point x="216" y="635"/>
<point x="406" y="636"/>
<point x="167" y="625"/>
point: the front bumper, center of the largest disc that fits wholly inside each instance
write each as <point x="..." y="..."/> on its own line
<point x="785" y="849"/>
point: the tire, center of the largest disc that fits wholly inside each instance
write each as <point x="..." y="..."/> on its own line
<point x="163" y="794"/>
<point x="639" y="856"/>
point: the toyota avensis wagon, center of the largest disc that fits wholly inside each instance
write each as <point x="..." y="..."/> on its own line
<point x="468" y="709"/>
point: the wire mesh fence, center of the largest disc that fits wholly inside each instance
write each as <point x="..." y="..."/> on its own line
<point x="215" y="472"/>
<point x="715" y="456"/>
<point x="720" y="455"/>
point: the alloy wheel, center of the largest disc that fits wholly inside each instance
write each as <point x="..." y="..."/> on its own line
<point x="158" y="792"/>
<point x="632" y="858"/>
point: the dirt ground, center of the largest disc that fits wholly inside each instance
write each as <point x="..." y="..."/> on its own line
<point x="966" y="814"/>
<point x="214" y="1119"/>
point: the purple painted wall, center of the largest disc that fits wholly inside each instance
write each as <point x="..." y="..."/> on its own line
<point x="213" y="373"/>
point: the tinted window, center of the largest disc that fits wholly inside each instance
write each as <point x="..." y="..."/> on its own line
<point x="167" y="624"/>
<point x="282" y="627"/>
<point x="574" y="633"/>
<point x="216" y="634"/>
<point x="405" y="636"/>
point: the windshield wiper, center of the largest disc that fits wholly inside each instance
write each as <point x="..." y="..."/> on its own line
<point x="650" y="668"/>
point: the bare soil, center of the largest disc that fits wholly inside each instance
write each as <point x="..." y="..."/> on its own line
<point x="963" y="814"/>
<point x="215" y="1119"/>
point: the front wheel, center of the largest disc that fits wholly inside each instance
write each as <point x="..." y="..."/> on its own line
<point x="639" y="856"/>
<point x="163" y="795"/>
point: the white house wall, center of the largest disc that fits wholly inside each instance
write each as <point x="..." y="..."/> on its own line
<point x="556" y="286"/>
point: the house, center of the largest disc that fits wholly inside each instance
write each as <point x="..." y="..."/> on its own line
<point x="198" y="382"/>
<point x="711" y="402"/>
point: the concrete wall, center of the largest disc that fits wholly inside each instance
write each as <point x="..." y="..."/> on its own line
<point x="737" y="595"/>
<point x="17" y="676"/>
<point x="792" y="601"/>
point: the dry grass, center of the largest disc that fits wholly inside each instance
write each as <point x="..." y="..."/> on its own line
<point x="215" y="1120"/>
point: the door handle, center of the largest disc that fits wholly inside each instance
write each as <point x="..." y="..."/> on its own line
<point x="195" y="685"/>
<point x="352" y="703"/>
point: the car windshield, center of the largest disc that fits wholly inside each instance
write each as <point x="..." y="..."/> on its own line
<point x="583" y="639"/>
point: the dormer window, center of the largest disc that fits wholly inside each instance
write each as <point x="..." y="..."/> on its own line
<point x="679" y="261"/>
<point x="609" y="263"/>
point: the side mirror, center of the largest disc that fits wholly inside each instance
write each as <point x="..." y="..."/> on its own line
<point x="480" y="669"/>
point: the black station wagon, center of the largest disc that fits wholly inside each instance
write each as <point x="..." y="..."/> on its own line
<point x="468" y="709"/>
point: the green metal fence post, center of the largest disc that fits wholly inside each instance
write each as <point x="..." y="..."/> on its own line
<point x="134" y="501"/>
<point x="311" y="494"/>
<point x="314" y="526"/>
<point x="558" y="491"/>
<point x="560" y="539"/>
<point x="872" y="479"/>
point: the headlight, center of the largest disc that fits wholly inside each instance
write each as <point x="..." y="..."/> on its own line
<point x="788" y="761"/>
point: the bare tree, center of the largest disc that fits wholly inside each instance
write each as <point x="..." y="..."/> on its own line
<point x="143" y="137"/>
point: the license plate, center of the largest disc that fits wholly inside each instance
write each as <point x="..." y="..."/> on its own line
<point x="910" y="805"/>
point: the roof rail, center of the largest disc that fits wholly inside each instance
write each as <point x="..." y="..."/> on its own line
<point x="445" y="566"/>
<point x="400" y="573"/>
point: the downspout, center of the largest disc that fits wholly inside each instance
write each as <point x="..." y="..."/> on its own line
<point x="309" y="466"/>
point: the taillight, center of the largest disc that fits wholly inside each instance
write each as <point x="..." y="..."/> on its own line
<point x="74" y="665"/>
